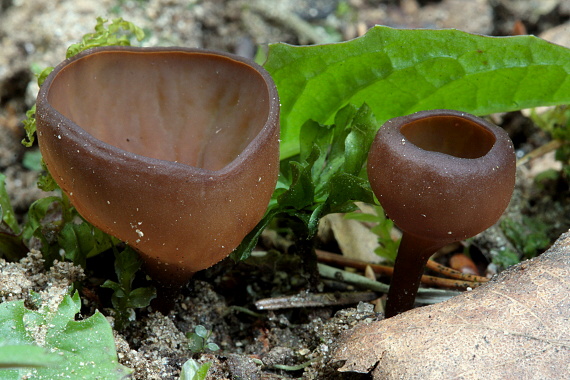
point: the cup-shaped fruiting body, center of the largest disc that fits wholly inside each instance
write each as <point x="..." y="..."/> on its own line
<point x="441" y="176"/>
<point x="174" y="151"/>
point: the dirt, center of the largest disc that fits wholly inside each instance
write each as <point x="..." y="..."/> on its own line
<point x="286" y="343"/>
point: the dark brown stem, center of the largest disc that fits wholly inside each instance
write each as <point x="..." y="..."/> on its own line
<point x="413" y="255"/>
<point x="305" y="248"/>
<point x="166" y="297"/>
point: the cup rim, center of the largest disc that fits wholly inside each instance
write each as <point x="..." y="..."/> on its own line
<point x="270" y="127"/>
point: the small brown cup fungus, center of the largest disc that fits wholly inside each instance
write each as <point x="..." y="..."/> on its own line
<point x="172" y="150"/>
<point x="442" y="176"/>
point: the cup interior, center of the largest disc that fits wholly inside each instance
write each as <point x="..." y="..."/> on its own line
<point x="200" y="109"/>
<point x="450" y="135"/>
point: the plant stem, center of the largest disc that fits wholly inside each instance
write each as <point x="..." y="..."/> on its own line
<point x="413" y="255"/>
<point x="306" y="250"/>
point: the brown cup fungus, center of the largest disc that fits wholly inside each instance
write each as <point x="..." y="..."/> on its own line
<point x="174" y="151"/>
<point x="441" y="176"/>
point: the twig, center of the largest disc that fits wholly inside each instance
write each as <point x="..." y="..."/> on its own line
<point x="461" y="281"/>
<point x="314" y="300"/>
<point x="425" y="296"/>
<point x="450" y="272"/>
<point x="540" y="151"/>
<point x="296" y="367"/>
<point x="302" y="28"/>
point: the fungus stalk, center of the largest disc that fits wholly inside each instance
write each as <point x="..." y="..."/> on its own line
<point x="442" y="176"/>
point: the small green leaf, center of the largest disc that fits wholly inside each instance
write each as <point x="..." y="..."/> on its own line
<point x="344" y="190"/>
<point x="192" y="370"/>
<point x="243" y="251"/>
<point x="195" y="343"/>
<point x="198" y="340"/>
<point x="125" y="298"/>
<point x="528" y="237"/>
<point x="505" y="258"/>
<point x="46" y="181"/>
<point x="212" y="346"/>
<point x="358" y="141"/>
<point x="77" y="241"/>
<point x="313" y="219"/>
<point x="7" y="214"/>
<point x="82" y="241"/>
<point x="43" y="75"/>
<point x="201" y="331"/>
<point x="549" y="174"/>
<point x="302" y="190"/>
<point x="127" y="263"/>
<point x="30" y="127"/>
<point x="36" y="213"/>
<point x="314" y="135"/>
<point x="112" y="285"/>
<point x="32" y="160"/>
<point x="141" y="297"/>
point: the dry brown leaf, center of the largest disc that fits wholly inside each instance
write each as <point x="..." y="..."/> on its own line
<point x="515" y="327"/>
<point x="354" y="238"/>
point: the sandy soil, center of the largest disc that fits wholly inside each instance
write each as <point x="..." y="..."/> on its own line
<point x="37" y="33"/>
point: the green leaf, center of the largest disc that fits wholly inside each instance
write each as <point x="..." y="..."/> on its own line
<point x="198" y="340"/>
<point x="505" y="258"/>
<point x="192" y="370"/>
<point x="344" y="190"/>
<point x="357" y="143"/>
<point x="56" y="344"/>
<point x="46" y="181"/>
<point x="30" y="127"/>
<point x="243" y="251"/>
<point x="212" y="346"/>
<point x="325" y="177"/>
<point x="83" y="240"/>
<point x="42" y="77"/>
<point x="125" y="298"/>
<point x="127" y="263"/>
<point x="6" y="211"/>
<point x="141" y="297"/>
<point x="36" y="213"/>
<point x="400" y="71"/>
<point x="32" y="160"/>
<point x="195" y="343"/>
<point x="11" y="245"/>
<point x="201" y="331"/>
<point x="528" y="237"/>
<point x="314" y="135"/>
<point x="302" y="190"/>
<point x="77" y="241"/>
<point x="26" y="356"/>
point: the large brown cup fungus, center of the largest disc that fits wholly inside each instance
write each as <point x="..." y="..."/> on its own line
<point x="174" y="151"/>
<point x="442" y="176"/>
